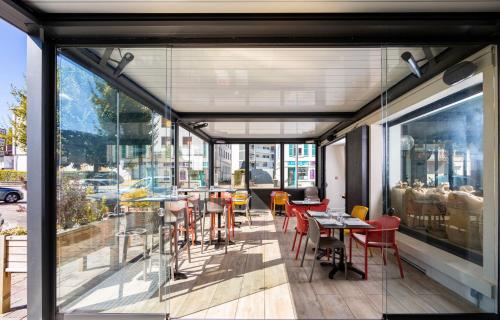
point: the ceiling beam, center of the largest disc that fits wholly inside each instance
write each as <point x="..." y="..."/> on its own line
<point x="443" y="61"/>
<point x="337" y="29"/>
<point x="264" y="116"/>
<point x="19" y="15"/>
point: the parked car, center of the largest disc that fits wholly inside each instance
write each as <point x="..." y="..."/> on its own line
<point x="98" y="179"/>
<point x="156" y="185"/>
<point x="10" y="195"/>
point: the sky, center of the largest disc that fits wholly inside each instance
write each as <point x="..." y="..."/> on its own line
<point x="12" y="66"/>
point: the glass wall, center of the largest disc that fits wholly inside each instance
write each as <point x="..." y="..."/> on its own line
<point x="229" y="166"/>
<point x="440" y="179"/>
<point x="300" y="165"/>
<point x="192" y="160"/>
<point x="113" y="153"/>
<point x="264" y="165"/>
<point x="436" y="172"/>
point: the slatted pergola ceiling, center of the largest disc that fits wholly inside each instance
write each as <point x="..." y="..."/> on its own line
<point x="279" y="80"/>
<point x="259" y="6"/>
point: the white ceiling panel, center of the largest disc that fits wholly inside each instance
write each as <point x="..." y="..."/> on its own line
<point x="239" y="130"/>
<point x="259" y="6"/>
<point x="266" y="79"/>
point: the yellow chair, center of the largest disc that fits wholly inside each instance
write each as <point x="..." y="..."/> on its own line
<point x="280" y="199"/>
<point x="241" y="205"/>
<point x="359" y="212"/>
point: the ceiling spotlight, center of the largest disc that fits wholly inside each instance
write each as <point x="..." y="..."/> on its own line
<point x="200" y="125"/>
<point x="126" y="59"/>
<point x="412" y="63"/>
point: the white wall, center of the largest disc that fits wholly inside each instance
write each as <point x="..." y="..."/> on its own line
<point x="335" y="174"/>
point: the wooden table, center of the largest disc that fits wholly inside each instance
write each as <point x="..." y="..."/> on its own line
<point x="328" y="222"/>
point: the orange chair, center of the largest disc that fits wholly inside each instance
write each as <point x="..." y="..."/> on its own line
<point x="280" y="199"/>
<point x="383" y="237"/>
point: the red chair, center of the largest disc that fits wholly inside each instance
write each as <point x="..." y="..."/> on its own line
<point x="321" y="207"/>
<point x="289" y="213"/>
<point x="383" y="236"/>
<point x="302" y="228"/>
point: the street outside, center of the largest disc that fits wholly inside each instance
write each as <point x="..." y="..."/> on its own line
<point x="14" y="214"/>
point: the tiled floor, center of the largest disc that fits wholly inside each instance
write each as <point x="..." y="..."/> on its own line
<point x="18" y="298"/>
<point x="260" y="278"/>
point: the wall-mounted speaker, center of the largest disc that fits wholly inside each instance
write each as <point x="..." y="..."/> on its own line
<point x="330" y="138"/>
<point x="459" y="72"/>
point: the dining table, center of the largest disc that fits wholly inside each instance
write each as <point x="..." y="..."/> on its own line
<point x="339" y="220"/>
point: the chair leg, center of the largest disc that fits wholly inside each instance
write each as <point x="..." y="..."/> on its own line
<point x="350" y="248"/>
<point x="294" y="240"/>
<point x="396" y="252"/>
<point x="314" y="263"/>
<point x="366" y="261"/>
<point x="345" y="264"/>
<point x="284" y="222"/>
<point x="286" y="225"/>
<point x="298" y="248"/>
<point x="202" y="232"/>
<point x="384" y="255"/>
<point x="249" y="216"/>
<point x="304" y="252"/>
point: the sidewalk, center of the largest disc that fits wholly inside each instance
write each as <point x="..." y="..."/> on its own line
<point x="18" y="298"/>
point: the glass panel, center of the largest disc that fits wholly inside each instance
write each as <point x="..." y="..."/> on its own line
<point x="300" y="165"/>
<point x="192" y="161"/>
<point x="264" y="166"/>
<point x="114" y="155"/>
<point x="229" y="166"/>
<point x="441" y="147"/>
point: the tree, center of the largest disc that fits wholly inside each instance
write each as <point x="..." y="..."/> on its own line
<point x="17" y="131"/>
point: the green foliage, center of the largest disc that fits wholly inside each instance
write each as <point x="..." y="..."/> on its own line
<point x="17" y="231"/>
<point x="12" y="175"/>
<point x="238" y="174"/>
<point x="74" y="208"/>
<point x="17" y="131"/>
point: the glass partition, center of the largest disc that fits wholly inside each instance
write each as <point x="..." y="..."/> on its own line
<point x="229" y="166"/>
<point x="264" y="165"/>
<point x="113" y="160"/>
<point x="300" y="165"/>
<point x="440" y="184"/>
<point x="192" y="160"/>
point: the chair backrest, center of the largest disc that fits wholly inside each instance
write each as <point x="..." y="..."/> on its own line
<point x="311" y="193"/>
<point x="302" y="223"/>
<point x="313" y="230"/>
<point x="240" y="199"/>
<point x="359" y="212"/>
<point x="280" y="197"/>
<point x="385" y="232"/>
<point x="321" y="207"/>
